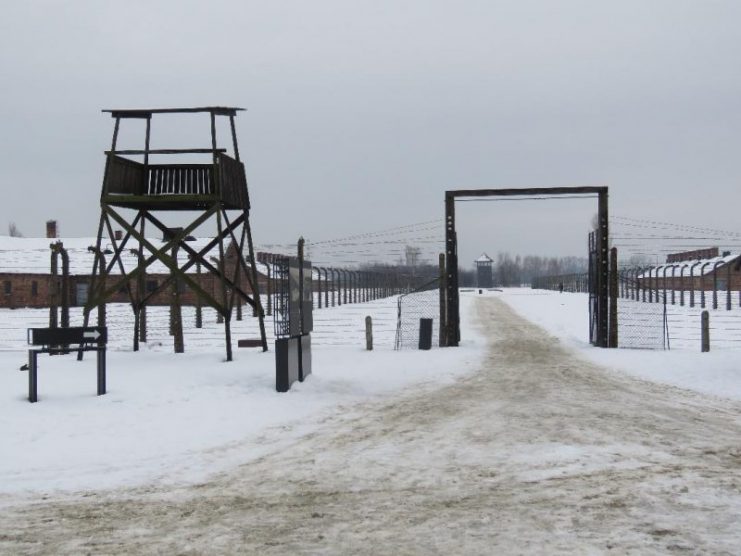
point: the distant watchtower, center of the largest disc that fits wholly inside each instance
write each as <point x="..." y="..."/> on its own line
<point x="483" y="271"/>
<point x="137" y="193"/>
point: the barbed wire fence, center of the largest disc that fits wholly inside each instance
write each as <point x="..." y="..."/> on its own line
<point x="360" y="275"/>
<point x="661" y="296"/>
<point x="686" y="287"/>
<point x="356" y="275"/>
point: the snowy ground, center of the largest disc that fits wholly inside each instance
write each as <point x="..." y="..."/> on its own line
<point x="566" y="316"/>
<point x="171" y="418"/>
<point x="528" y="450"/>
<point x="176" y="418"/>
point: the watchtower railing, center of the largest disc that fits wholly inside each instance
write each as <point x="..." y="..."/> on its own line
<point x="224" y="180"/>
<point x="233" y="181"/>
<point x="180" y="179"/>
<point x="124" y="176"/>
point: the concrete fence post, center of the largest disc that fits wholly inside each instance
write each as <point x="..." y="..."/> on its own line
<point x="368" y="333"/>
<point x="728" y="287"/>
<point x="705" y="332"/>
<point x="702" y="285"/>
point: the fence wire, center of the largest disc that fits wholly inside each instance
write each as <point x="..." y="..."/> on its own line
<point x="422" y="303"/>
<point x="641" y="325"/>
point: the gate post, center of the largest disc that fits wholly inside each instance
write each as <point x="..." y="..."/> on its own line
<point x="443" y="319"/>
<point x="452" y="332"/>
<point x="602" y="269"/>
<point x="613" y="340"/>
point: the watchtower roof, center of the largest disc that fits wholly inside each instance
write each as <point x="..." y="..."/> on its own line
<point x="147" y="112"/>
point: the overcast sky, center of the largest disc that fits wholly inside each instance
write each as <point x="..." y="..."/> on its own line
<point x="362" y="113"/>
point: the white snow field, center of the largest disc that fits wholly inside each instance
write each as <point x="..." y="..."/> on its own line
<point x="515" y="443"/>
<point x="171" y="418"/>
<point x="717" y="372"/>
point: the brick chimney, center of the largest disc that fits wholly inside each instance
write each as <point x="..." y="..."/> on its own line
<point x="51" y="229"/>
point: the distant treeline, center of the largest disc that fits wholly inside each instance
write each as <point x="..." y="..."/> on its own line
<point x="507" y="270"/>
<point x="407" y="276"/>
<point x="519" y="271"/>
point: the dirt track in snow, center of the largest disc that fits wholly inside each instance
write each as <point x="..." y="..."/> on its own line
<point x="538" y="452"/>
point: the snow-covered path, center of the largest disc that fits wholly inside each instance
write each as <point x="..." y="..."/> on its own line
<point x="538" y="452"/>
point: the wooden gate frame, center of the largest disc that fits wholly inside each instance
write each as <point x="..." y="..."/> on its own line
<point x="452" y="312"/>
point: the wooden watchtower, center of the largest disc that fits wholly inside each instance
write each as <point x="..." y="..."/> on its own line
<point x="484" y="278"/>
<point x="137" y="194"/>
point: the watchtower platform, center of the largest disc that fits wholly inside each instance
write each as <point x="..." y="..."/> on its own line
<point x="141" y="185"/>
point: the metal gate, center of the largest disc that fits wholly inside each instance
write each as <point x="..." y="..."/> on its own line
<point x="420" y="303"/>
<point x="592" y="286"/>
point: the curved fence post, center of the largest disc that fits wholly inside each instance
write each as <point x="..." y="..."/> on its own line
<point x="656" y="284"/>
<point x="326" y="287"/>
<point x="335" y="286"/>
<point x="715" y="284"/>
<point x="728" y="286"/>
<point x="666" y="267"/>
<point x="318" y="285"/>
<point x="692" y="284"/>
<point x="702" y="284"/>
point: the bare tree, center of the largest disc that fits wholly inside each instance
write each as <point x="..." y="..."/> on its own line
<point x="13" y="230"/>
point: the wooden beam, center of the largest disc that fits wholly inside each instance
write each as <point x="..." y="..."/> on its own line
<point x="164" y="258"/>
<point x="147" y="112"/>
<point x="525" y="192"/>
<point x="167" y="151"/>
<point x="198" y="256"/>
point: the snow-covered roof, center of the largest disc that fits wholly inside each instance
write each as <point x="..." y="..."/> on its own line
<point x="484" y="258"/>
<point x="700" y="267"/>
<point x="22" y="255"/>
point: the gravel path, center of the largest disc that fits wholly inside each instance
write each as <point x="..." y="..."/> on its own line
<point x="538" y="452"/>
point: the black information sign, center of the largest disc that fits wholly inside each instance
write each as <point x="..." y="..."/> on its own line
<point x="66" y="336"/>
<point x="57" y="340"/>
<point x="300" y="291"/>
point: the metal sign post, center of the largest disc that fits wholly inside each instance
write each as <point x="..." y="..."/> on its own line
<point x="293" y="319"/>
<point x="87" y="338"/>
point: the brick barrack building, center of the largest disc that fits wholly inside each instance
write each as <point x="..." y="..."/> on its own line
<point x="26" y="276"/>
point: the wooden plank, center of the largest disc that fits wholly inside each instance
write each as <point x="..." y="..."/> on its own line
<point x="159" y="198"/>
<point x="166" y="151"/>
<point x="147" y="112"/>
<point x="526" y="192"/>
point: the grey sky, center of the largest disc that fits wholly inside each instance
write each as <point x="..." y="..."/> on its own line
<point x="361" y="114"/>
